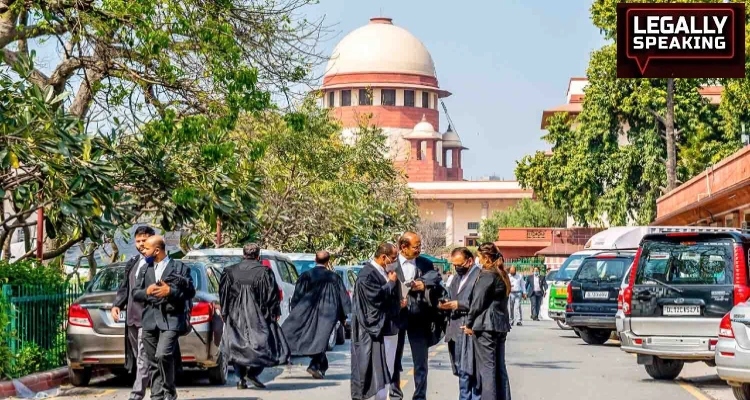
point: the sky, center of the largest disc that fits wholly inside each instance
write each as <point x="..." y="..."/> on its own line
<point x="504" y="61"/>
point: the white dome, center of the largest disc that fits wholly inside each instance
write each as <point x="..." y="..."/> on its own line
<point x="380" y="47"/>
<point x="423" y="130"/>
<point x="451" y="140"/>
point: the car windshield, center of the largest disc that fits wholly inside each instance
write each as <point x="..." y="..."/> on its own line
<point x="107" y="280"/>
<point x="604" y="270"/>
<point x="220" y="261"/>
<point x="303" y="265"/>
<point x="551" y="276"/>
<point x="686" y="262"/>
<point x="569" y="267"/>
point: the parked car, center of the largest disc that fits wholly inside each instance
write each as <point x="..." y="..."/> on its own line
<point x="592" y="295"/>
<point x="302" y="261"/>
<point x="616" y="238"/>
<point x="283" y="269"/>
<point x="682" y="284"/>
<point x="349" y="274"/>
<point x="620" y="316"/>
<point x="732" y="355"/>
<point x="95" y="339"/>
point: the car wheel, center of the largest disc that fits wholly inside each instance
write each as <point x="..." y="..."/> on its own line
<point x="594" y="336"/>
<point x="218" y="375"/>
<point x="576" y="332"/>
<point x="340" y="335"/>
<point x="741" y="392"/>
<point x="332" y="338"/>
<point x="79" y="377"/>
<point x="664" y="370"/>
<point x="563" y="325"/>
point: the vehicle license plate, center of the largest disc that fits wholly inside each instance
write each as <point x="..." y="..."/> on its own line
<point x="123" y="316"/>
<point x="596" y="295"/>
<point x="562" y="291"/>
<point x="682" y="310"/>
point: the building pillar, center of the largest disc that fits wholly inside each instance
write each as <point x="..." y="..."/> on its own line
<point x="485" y="210"/>
<point x="449" y="240"/>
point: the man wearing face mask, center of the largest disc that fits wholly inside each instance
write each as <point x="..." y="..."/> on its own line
<point x="166" y="289"/>
<point x="375" y="306"/>
<point x="536" y="286"/>
<point x="460" y="347"/>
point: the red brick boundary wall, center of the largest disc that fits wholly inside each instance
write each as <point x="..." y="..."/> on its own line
<point x="42" y="381"/>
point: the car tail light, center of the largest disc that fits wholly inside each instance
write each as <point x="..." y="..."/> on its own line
<point x="725" y="327"/>
<point x="79" y="316"/>
<point x="619" y="300"/>
<point x="681" y="234"/>
<point x="266" y="263"/>
<point x="202" y="312"/>
<point x="627" y="293"/>
<point x="281" y="295"/>
<point x="741" y="290"/>
<point x="570" y="293"/>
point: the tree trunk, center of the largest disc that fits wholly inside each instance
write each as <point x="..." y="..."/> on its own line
<point x="26" y="239"/>
<point x="6" y="246"/>
<point x="92" y="264"/>
<point x="671" y="146"/>
<point x="115" y="251"/>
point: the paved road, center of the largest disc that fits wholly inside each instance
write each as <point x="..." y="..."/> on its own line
<point x="539" y="355"/>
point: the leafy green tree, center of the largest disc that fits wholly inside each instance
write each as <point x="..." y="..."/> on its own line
<point x="613" y="161"/>
<point x="525" y="214"/>
<point x="319" y="191"/>
<point x="157" y="105"/>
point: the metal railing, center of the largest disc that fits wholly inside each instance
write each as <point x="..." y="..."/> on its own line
<point x="37" y="318"/>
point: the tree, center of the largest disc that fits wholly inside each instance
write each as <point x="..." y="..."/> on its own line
<point x="614" y="160"/>
<point x="525" y="214"/>
<point x="433" y="237"/>
<point x="155" y="105"/>
<point x="320" y="192"/>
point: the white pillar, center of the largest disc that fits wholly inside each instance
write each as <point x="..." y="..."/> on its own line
<point x="449" y="224"/>
<point x="485" y="209"/>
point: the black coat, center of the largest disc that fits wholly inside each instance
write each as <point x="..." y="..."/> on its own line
<point x="489" y="304"/>
<point x="461" y="350"/>
<point x="169" y="313"/>
<point x="320" y="299"/>
<point x="530" y="284"/>
<point x="250" y="306"/>
<point x="415" y="311"/>
<point x="123" y="300"/>
<point x="375" y="307"/>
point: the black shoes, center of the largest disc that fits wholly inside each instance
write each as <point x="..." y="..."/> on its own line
<point x="256" y="382"/>
<point x="316" y="373"/>
<point x="519" y="324"/>
<point x="241" y="385"/>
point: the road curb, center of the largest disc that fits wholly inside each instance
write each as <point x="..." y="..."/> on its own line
<point x="42" y="381"/>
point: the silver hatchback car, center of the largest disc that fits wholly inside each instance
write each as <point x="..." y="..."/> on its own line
<point x="95" y="339"/>
<point x="733" y="350"/>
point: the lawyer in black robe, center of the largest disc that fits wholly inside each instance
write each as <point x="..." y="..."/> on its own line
<point x="320" y="300"/>
<point x="375" y="306"/>
<point x="251" y="307"/>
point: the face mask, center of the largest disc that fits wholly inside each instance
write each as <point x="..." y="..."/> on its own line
<point x="149" y="259"/>
<point x="391" y="267"/>
<point x="536" y="273"/>
<point x="513" y="273"/>
<point x="462" y="270"/>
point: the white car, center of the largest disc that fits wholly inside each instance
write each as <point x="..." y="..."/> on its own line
<point x="302" y="261"/>
<point x="282" y="267"/>
<point x="620" y="316"/>
<point x="733" y="350"/>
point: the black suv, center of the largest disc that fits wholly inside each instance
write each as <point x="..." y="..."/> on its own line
<point x="592" y="295"/>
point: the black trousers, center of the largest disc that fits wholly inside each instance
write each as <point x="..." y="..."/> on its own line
<point x="244" y="372"/>
<point x="161" y="348"/>
<point x="489" y="349"/>
<point x="319" y="363"/>
<point x="419" y="349"/>
<point x="536" y="303"/>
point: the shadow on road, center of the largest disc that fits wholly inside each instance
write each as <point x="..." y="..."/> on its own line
<point x="305" y="375"/>
<point x="706" y="382"/>
<point x="544" y="365"/>
<point x="286" y="386"/>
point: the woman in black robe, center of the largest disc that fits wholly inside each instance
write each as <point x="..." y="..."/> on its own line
<point x="251" y="307"/>
<point x="488" y="323"/>
<point x="375" y="306"/>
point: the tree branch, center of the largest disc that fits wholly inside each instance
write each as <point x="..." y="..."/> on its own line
<point x="37" y="77"/>
<point x="657" y="116"/>
<point x="53" y="253"/>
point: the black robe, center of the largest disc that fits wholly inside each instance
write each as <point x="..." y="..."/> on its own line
<point x="250" y="306"/>
<point x="375" y="308"/>
<point x="320" y="299"/>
